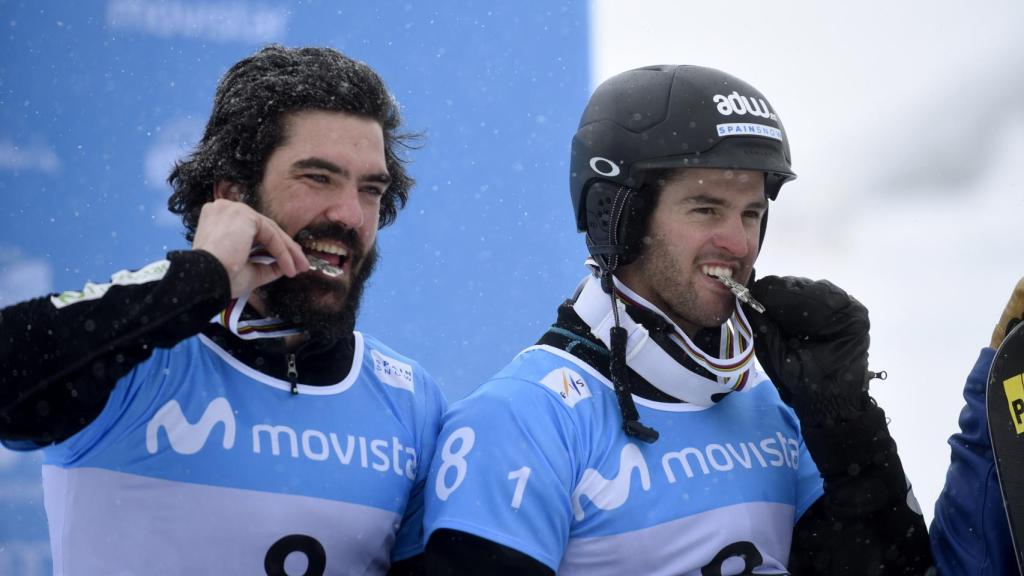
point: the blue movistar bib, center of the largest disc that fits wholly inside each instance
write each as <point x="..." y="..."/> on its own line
<point x="536" y="460"/>
<point x="199" y="464"/>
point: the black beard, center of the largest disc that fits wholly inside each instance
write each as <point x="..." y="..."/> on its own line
<point x="297" y="300"/>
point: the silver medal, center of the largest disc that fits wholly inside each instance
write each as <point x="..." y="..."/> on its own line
<point x="741" y="292"/>
<point x="323" y="267"/>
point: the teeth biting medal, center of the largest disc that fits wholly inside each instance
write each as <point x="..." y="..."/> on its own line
<point x="323" y="267"/>
<point x="741" y="291"/>
<point x="261" y="256"/>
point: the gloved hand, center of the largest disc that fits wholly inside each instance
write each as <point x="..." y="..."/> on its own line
<point x="812" y="340"/>
<point x="1012" y="314"/>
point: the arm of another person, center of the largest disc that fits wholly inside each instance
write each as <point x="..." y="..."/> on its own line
<point x="456" y="553"/>
<point x="62" y="355"/>
<point x="970" y="534"/>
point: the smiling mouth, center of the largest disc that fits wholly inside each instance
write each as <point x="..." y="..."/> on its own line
<point x="717" y="272"/>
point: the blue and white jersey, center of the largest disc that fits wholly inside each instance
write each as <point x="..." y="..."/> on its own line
<point x="199" y="464"/>
<point x="536" y="460"/>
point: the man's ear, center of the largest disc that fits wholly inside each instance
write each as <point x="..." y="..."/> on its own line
<point x="227" y="190"/>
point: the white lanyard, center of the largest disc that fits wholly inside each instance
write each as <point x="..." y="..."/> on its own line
<point x="649" y="360"/>
<point x="257" y="328"/>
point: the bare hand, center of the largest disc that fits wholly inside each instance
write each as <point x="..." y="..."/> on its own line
<point x="229" y="230"/>
<point x="1014" y="310"/>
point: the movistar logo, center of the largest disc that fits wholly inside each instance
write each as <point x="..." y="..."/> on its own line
<point x="278" y="440"/>
<point x="736" y="104"/>
<point x="610" y="494"/>
<point x="185" y="437"/>
<point x="778" y="451"/>
<point x="771" y="452"/>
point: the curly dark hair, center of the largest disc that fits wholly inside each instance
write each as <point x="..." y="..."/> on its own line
<point x="247" y="123"/>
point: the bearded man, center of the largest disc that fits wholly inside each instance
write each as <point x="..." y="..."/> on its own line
<point x="273" y="438"/>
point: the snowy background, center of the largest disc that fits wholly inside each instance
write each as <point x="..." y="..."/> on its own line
<point x="905" y="121"/>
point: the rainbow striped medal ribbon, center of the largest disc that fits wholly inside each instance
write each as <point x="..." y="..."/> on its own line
<point x="253" y="329"/>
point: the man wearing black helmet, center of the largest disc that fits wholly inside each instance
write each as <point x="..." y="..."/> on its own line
<point x="638" y="436"/>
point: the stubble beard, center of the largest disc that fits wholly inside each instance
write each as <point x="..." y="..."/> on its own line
<point x="677" y="290"/>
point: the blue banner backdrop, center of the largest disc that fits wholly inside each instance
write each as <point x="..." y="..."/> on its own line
<point x="98" y="98"/>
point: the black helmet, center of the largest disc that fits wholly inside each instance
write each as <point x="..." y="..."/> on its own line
<point x="663" y="117"/>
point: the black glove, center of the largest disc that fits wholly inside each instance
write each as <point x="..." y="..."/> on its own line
<point x="812" y="340"/>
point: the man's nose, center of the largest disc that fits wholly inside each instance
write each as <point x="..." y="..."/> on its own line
<point x="733" y="237"/>
<point x="344" y="208"/>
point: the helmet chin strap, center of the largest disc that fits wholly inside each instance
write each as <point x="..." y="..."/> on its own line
<point x="619" y="371"/>
<point x="653" y="354"/>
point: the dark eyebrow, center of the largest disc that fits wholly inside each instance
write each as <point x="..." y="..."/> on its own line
<point x="380" y="178"/>
<point x="761" y="204"/>
<point x="326" y="165"/>
<point x="715" y="201"/>
<point x="704" y="199"/>
<point x="320" y="164"/>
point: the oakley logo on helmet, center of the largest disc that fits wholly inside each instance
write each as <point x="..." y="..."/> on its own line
<point x="604" y="167"/>
<point x="739" y="105"/>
